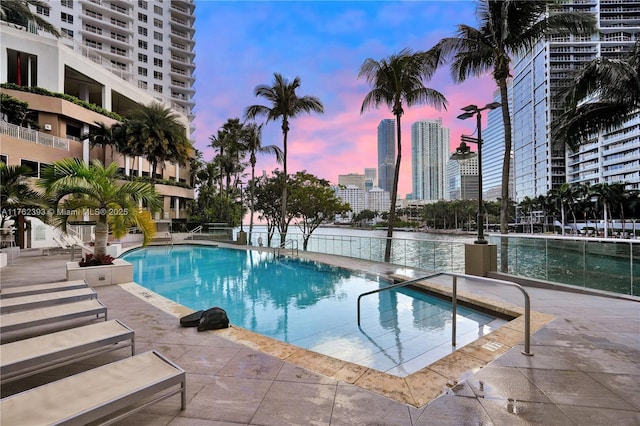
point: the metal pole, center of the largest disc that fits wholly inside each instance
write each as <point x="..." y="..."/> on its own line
<point x="480" y="220"/>
<point x="454" y="309"/>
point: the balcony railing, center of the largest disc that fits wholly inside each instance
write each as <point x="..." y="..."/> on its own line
<point x="33" y="136"/>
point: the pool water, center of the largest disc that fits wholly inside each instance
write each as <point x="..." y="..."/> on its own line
<point x="311" y="305"/>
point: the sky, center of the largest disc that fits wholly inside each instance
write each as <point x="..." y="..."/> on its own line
<point x="241" y="44"/>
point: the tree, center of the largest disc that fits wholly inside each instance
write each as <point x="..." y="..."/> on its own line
<point x="106" y="136"/>
<point x="18" y="12"/>
<point x="267" y="194"/>
<point x="253" y="145"/>
<point x="17" y="112"/>
<point x="506" y="28"/>
<point x="285" y="105"/>
<point x="601" y="96"/>
<point x="154" y="132"/>
<point x="314" y="202"/>
<point x="17" y="197"/>
<point x="395" y="81"/>
<point x="75" y="187"/>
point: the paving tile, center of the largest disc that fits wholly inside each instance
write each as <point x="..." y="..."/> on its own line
<point x="289" y="403"/>
<point x="504" y="383"/>
<point x="514" y="412"/>
<point x="625" y="386"/>
<point x="293" y="373"/>
<point x="454" y="411"/>
<point x="205" y="360"/>
<point x="252" y="364"/>
<point x="601" y="416"/>
<point x="605" y="360"/>
<point x="354" y="406"/>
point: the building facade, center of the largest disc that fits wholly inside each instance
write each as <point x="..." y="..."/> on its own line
<point x="46" y="63"/>
<point x="149" y="44"/>
<point x="352" y="179"/>
<point x="370" y="178"/>
<point x="429" y="157"/>
<point x="462" y="179"/>
<point x="542" y="164"/>
<point x="386" y="153"/>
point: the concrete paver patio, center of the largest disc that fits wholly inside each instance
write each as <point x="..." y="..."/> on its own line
<point x="585" y="369"/>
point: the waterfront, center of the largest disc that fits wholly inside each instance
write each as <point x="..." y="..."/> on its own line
<point x="596" y="263"/>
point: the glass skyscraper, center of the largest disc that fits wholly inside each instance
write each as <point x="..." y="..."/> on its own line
<point x="386" y="153"/>
<point x="429" y="156"/>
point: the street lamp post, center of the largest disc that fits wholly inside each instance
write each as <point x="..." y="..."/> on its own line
<point x="463" y="151"/>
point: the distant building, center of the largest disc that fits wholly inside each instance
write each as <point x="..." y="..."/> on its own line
<point x="386" y="153"/>
<point x="352" y="179"/>
<point x="370" y="178"/>
<point x="378" y="200"/>
<point x="493" y="155"/>
<point x="429" y="157"/>
<point x="462" y="179"/>
<point x="353" y="196"/>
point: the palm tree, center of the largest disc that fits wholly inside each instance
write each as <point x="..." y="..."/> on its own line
<point x="507" y="28"/>
<point x="600" y="97"/>
<point x="253" y="145"/>
<point x="18" y="12"/>
<point x="106" y="136"/>
<point x="154" y="132"/>
<point x="395" y="81"/>
<point x="75" y="187"/>
<point x="285" y="105"/>
<point x="17" y="195"/>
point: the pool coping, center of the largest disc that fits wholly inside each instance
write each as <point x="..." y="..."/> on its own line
<point x="416" y="389"/>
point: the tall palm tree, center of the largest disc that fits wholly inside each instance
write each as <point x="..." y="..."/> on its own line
<point x="285" y="105"/>
<point x="106" y="136"/>
<point x="75" y="186"/>
<point x="154" y="132"/>
<point x="18" y="12"/>
<point x="507" y="28"/>
<point x="600" y="97"/>
<point x="253" y="145"/>
<point x="396" y="81"/>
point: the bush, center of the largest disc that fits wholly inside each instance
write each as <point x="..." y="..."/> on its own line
<point x="91" y="260"/>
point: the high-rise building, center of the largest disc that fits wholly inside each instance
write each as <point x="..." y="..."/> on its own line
<point x="150" y="44"/>
<point x="429" y="157"/>
<point x="542" y="164"/>
<point x="493" y="155"/>
<point x="370" y="175"/>
<point x="352" y="179"/>
<point x="378" y="200"/>
<point x="462" y="179"/>
<point x="353" y="196"/>
<point x="386" y="153"/>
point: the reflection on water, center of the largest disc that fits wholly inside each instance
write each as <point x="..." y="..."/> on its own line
<point x="310" y="305"/>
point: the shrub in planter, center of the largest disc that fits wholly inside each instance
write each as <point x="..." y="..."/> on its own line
<point x="91" y="260"/>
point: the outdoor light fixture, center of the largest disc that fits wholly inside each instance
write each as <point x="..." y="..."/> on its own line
<point x="463" y="151"/>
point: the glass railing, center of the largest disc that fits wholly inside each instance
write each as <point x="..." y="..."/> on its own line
<point x="594" y="263"/>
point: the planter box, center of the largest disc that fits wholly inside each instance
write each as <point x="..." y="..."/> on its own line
<point x="120" y="272"/>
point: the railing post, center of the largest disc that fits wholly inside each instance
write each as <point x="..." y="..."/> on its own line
<point x="454" y="308"/>
<point x="527" y="325"/>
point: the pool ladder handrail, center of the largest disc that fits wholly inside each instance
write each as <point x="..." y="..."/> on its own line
<point x="294" y="247"/>
<point x="454" y="301"/>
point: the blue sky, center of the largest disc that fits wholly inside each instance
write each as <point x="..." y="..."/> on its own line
<point x="240" y="44"/>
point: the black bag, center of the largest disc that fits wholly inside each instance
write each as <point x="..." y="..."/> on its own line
<point x="191" y="320"/>
<point x="213" y="319"/>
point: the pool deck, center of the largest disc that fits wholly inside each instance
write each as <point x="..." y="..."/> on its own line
<point x="585" y="369"/>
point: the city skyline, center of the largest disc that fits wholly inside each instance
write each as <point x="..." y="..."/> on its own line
<point x="323" y="43"/>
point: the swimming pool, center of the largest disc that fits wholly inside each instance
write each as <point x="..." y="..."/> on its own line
<point x="311" y="305"/>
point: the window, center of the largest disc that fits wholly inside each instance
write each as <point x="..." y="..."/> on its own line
<point x="33" y="165"/>
<point x="118" y="51"/>
<point x="43" y="167"/>
<point x="119" y="37"/>
<point x="142" y="71"/>
<point x="157" y="75"/>
<point x="142" y="4"/>
<point x="142" y="57"/>
<point x="69" y="33"/>
<point x="157" y="88"/>
<point x="40" y="10"/>
<point x="142" y="17"/>
<point x="142" y="44"/>
<point x="142" y="84"/>
<point x="157" y="23"/>
<point x="66" y="17"/>
<point x="157" y="49"/>
<point x="118" y="65"/>
<point x="142" y="31"/>
<point x="67" y="3"/>
<point x="157" y="9"/>
<point x="4" y="159"/>
<point x="157" y="62"/>
<point x="93" y="43"/>
<point x="93" y="29"/>
<point x="157" y="36"/>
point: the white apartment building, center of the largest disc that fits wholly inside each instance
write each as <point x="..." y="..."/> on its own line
<point x="462" y="179"/>
<point x="353" y="196"/>
<point x="542" y="164"/>
<point x="149" y="44"/>
<point x="429" y="157"/>
<point x="378" y="200"/>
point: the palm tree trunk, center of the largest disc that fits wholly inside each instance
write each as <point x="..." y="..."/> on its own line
<point x="102" y="233"/>
<point x="394" y="193"/>
<point x="506" y="167"/>
<point x="283" y="219"/>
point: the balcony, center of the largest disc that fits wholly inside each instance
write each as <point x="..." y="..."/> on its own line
<point x="34" y="136"/>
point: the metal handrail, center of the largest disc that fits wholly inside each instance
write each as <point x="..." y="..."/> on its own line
<point x="197" y="229"/>
<point x="454" y="301"/>
<point x="294" y="246"/>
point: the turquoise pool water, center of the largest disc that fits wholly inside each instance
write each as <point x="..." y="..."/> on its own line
<point x="311" y="305"/>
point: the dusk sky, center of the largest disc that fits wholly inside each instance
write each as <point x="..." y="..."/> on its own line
<point x="240" y="44"/>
